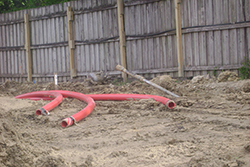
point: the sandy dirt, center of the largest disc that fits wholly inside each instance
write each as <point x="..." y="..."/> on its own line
<point x="210" y="126"/>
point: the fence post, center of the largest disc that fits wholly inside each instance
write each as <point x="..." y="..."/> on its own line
<point x="71" y="43"/>
<point x="27" y="47"/>
<point x="120" y="13"/>
<point x="179" y="37"/>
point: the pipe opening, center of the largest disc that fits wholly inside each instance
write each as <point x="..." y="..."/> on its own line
<point x="64" y="124"/>
<point x="171" y="104"/>
<point x="38" y="112"/>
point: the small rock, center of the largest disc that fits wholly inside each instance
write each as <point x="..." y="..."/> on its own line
<point x="247" y="147"/>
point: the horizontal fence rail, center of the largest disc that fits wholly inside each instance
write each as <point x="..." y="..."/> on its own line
<point x="215" y="37"/>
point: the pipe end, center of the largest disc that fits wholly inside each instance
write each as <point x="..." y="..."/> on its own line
<point x="170" y="104"/>
<point x="41" y="111"/>
<point x="66" y="122"/>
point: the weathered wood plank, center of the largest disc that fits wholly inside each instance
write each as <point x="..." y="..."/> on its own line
<point x="201" y="12"/>
<point x="117" y="56"/>
<point x="217" y="48"/>
<point x="158" y="56"/>
<point x="247" y="12"/>
<point x="194" y="9"/>
<point x="233" y="47"/>
<point x="232" y="11"/>
<point x="138" y="20"/>
<point x="225" y="47"/>
<point x="133" y="55"/>
<point x="209" y="12"/>
<point x="210" y="48"/>
<point x="145" y="54"/>
<point x="88" y="60"/>
<point x="196" y="47"/>
<point x="203" y="48"/>
<point x="241" y="48"/>
<point x="96" y="55"/>
<point x="189" y="53"/>
<point x="100" y="25"/>
<point x="248" y="42"/>
<point x="240" y="10"/>
<point x="217" y="11"/>
<point x="92" y="58"/>
<point x="225" y="14"/>
<point x="170" y="52"/>
<point x="102" y="57"/>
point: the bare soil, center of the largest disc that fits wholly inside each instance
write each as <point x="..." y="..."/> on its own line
<point x="210" y="126"/>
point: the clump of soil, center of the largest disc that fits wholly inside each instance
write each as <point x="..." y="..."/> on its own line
<point x="246" y="87"/>
<point x="228" y="76"/>
<point x="165" y="81"/>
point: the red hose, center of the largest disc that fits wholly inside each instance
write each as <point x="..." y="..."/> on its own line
<point x="74" y="118"/>
<point x="45" y="94"/>
<point x="169" y="103"/>
<point x="89" y="99"/>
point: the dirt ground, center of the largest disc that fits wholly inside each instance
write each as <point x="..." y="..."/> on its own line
<point x="210" y="126"/>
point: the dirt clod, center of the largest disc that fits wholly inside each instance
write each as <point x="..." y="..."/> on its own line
<point x="228" y="76"/>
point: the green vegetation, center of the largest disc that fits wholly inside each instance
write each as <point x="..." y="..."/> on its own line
<point x="214" y="71"/>
<point x="244" y="70"/>
<point x="15" y="5"/>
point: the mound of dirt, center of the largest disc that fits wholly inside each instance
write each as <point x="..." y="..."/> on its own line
<point x="165" y="81"/>
<point x="228" y="76"/>
<point x="246" y="87"/>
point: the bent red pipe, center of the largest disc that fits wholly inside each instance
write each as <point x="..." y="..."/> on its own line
<point x="169" y="103"/>
<point x="89" y="99"/>
<point x="74" y="118"/>
<point x="45" y="94"/>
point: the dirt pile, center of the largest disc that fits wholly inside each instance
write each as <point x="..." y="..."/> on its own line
<point x="228" y="76"/>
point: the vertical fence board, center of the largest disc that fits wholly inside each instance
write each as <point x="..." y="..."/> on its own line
<point x="210" y="48"/>
<point x="217" y="48"/>
<point x="145" y="54"/>
<point x="241" y="45"/>
<point x="225" y="7"/>
<point x="217" y="11"/>
<point x="233" y="47"/>
<point x="247" y="12"/>
<point x="196" y="47"/>
<point x="189" y="52"/>
<point x="232" y="11"/>
<point x="240" y="10"/>
<point x="225" y="46"/>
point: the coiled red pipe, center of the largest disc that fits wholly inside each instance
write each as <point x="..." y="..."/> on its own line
<point x="118" y="97"/>
<point x="74" y="118"/>
<point x="89" y="99"/>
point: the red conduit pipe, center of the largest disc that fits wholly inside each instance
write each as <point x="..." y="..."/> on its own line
<point x="76" y="117"/>
<point x="49" y="95"/>
<point x="169" y="103"/>
<point x="86" y="111"/>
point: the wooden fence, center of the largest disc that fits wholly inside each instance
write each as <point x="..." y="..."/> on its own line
<point x="216" y="36"/>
